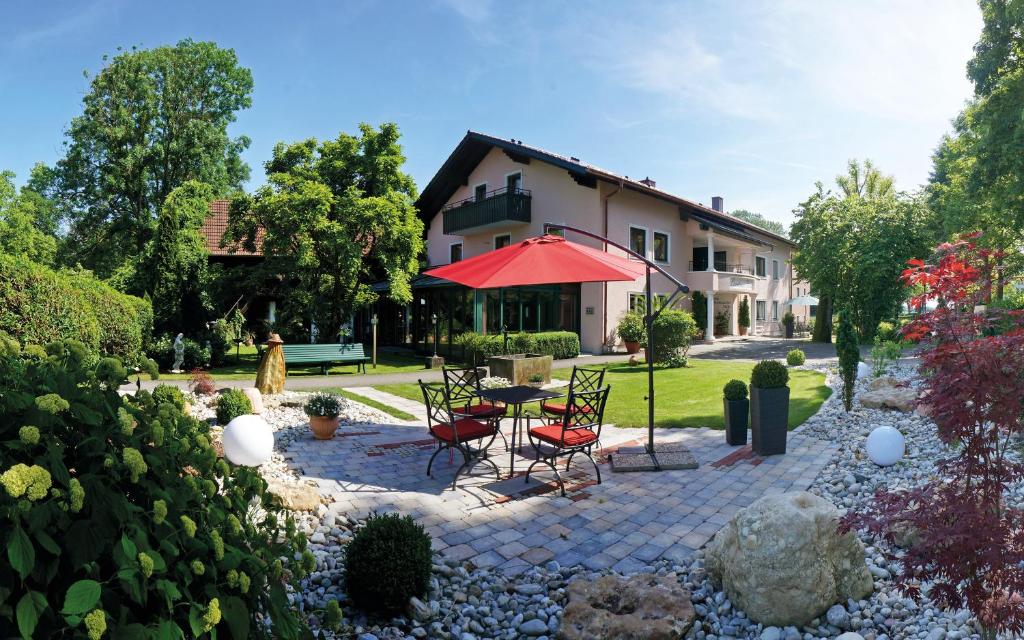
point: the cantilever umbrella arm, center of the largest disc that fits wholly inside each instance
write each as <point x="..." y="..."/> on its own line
<point x="650" y="315"/>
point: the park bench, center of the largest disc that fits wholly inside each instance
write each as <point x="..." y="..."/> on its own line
<point x="325" y="355"/>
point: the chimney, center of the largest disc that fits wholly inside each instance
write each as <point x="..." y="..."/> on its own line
<point x="718" y="204"/>
<point x="647" y="181"/>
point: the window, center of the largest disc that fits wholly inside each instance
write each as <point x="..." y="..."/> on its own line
<point x="660" y="246"/>
<point x="455" y="252"/>
<point x="775" y="269"/>
<point x="759" y="266"/>
<point x="637" y="302"/>
<point x="761" y="309"/>
<point x="502" y="241"/>
<point x="638" y="240"/>
<point x="775" y="310"/>
<point x="514" y="182"/>
<point x="554" y="232"/>
<point x="480" y="192"/>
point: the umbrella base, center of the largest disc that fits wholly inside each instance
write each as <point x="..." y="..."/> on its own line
<point x="669" y="456"/>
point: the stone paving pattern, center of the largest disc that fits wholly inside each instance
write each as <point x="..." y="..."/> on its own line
<point x="624" y="523"/>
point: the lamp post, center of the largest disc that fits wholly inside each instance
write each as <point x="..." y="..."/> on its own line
<point x="373" y="323"/>
<point x="433" y="320"/>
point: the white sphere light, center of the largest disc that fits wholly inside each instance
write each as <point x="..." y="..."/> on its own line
<point x="863" y="370"/>
<point x="248" y="441"/>
<point x="885" y="446"/>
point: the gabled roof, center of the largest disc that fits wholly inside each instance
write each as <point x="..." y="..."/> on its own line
<point x="474" y="146"/>
<point x="213" y="230"/>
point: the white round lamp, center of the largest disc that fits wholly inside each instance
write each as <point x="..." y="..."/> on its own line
<point x="885" y="446"/>
<point x="863" y="370"/>
<point x="248" y="441"/>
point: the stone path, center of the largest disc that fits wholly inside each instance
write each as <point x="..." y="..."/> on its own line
<point x="625" y="523"/>
<point x="389" y="399"/>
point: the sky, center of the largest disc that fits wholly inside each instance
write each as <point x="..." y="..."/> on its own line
<point x="754" y="101"/>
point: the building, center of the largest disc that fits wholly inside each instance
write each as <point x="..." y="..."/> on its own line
<point x="492" y="192"/>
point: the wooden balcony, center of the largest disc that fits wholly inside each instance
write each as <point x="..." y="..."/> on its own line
<point x="497" y="207"/>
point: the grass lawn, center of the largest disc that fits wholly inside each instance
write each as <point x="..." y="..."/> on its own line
<point x="685" y="397"/>
<point x="370" y="402"/>
<point x="245" y="365"/>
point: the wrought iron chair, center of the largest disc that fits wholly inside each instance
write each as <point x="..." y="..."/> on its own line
<point x="578" y="430"/>
<point x="583" y="379"/>
<point x="463" y="388"/>
<point x="457" y="431"/>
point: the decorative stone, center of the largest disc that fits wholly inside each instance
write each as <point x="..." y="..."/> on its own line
<point x="782" y="561"/>
<point x="885" y="446"/>
<point x="255" y="399"/>
<point x="886" y="393"/>
<point x="248" y="441"/>
<point x="640" y="607"/>
<point x="294" y="496"/>
<point x="271" y="373"/>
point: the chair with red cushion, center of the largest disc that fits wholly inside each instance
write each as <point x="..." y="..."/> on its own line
<point x="578" y="430"/>
<point x="455" y="431"/>
<point x="583" y="379"/>
<point x="463" y="388"/>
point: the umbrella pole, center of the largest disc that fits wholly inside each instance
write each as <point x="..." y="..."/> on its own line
<point x="649" y="299"/>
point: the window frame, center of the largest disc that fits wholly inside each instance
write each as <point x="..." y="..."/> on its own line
<point x="764" y="261"/>
<point x="760" y="310"/>
<point x="494" y="240"/>
<point x="476" y="196"/>
<point x="629" y="239"/>
<point x="521" y="179"/>
<point x="668" y="246"/>
<point x="775" y="310"/>
<point x="462" y="255"/>
<point x="776" y="271"/>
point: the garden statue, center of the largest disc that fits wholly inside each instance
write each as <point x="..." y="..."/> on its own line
<point x="270" y="376"/>
<point x="179" y="354"/>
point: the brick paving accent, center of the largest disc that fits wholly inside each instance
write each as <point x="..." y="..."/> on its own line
<point x="624" y="523"/>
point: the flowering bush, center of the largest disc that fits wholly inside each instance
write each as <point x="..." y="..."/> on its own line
<point x="325" y="405"/>
<point x="495" y="382"/>
<point x="967" y="528"/>
<point x="105" y="536"/>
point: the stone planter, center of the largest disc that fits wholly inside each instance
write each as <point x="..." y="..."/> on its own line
<point x="518" y="368"/>
<point x="737" y="418"/>
<point x="769" y="420"/>
<point x="632" y="347"/>
<point x="323" y="427"/>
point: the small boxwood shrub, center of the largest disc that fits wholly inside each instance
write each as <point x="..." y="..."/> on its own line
<point x="387" y="562"/>
<point x="674" y="331"/>
<point x="169" y="393"/>
<point x="769" y="374"/>
<point x="231" y="404"/>
<point x="795" y="358"/>
<point x="735" y="390"/>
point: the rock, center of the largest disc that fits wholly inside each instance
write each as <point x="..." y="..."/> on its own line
<point x="837" y="616"/>
<point x="533" y="628"/>
<point x="640" y="607"/>
<point x="294" y="496"/>
<point x="419" y="610"/>
<point x="255" y="399"/>
<point x="782" y="562"/>
<point x="885" y="393"/>
<point x="849" y="635"/>
<point x="771" y="633"/>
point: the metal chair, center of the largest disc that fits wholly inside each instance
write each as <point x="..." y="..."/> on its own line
<point x="463" y="386"/>
<point x="578" y="430"/>
<point x="583" y="379"/>
<point x="456" y="431"/>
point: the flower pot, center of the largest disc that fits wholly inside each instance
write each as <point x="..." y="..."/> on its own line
<point x="737" y="417"/>
<point x="632" y="347"/>
<point x="769" y="420"/>
<point x="743" y="330"/>
<point x="323" y="427"/>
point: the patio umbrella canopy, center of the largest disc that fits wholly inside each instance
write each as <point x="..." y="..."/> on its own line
<point x="546" y="259"/>
<point x="802" y="301"/>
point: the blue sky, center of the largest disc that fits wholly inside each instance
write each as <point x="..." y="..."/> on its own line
<point x="751" y="100"/>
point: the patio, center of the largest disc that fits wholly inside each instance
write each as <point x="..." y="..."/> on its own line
<point x="625" y="523"/>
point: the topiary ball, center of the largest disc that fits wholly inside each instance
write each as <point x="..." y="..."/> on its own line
<point x="795" y="358"/>
<point x="170" y="394"/>
<point x="735" y="390"/>
<point x="769" y="374"/>
<point x="231" y="404"/>
<point x="387" y="562"/>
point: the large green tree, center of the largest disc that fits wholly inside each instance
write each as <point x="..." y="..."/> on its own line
<point x="333" y="217"/>
<point x="759" y="220"/>
<point x="25" y="227"/>
<point x="152" y="120"/>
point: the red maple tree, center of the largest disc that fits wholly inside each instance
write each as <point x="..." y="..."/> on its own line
<point x="966" y="540"/>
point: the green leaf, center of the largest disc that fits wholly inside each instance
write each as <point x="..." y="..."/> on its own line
<point x="236" y="614"/>
<point x="48" y="543"/>
<point x="21" y="553"/>
<point x="30" y="606"/>
<point x="195" y="620"/>
<point x="81" y="597"/>
<point x="129" y="632"/>
<point x="169" y="631"/>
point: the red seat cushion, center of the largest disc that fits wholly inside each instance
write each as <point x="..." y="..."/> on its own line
<point x="467" y="428"/>
<point x="573" y="437"/>
<point x="482" y="410"/>
<point x="559" y="408"/>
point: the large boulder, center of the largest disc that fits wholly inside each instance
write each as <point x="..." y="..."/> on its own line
<point x="641" y="607"/>
<point x="887" y="393"/>
<point x="782" y="561"/>
<point x="295" y="496"/>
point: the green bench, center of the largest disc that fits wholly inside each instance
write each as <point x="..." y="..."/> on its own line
<point x="325" y="355"/>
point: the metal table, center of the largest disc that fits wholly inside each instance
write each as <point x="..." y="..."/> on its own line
<point x="516" y="397"/>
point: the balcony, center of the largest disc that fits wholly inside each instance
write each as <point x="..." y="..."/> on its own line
<point x="726" y="278"/>
<point x="495" y="208"/>
<point x="723" y="267"/>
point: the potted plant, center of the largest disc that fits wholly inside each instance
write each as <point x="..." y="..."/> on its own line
<point x="537" y="380"/>
<point x="769" y="407"/>
<point x="737" y="412"/>
<point x="721" y="324"/>
<point x="787" y="321"/>
<point x="633" y="330"/>
<point x="744" y="319"/>
<point x="323" y="410"/>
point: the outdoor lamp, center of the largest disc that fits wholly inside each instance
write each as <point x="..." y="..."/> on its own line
<point x="373" y="320"/>
<point x="885" y="446"/>
<point x="248" y="441"/>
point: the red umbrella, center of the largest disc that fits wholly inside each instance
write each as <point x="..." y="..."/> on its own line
<point x="545" y="260"/>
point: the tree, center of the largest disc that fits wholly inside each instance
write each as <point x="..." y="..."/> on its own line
<point x="744" y="315"/>
<point x="22" y="214"/>
<point x="848" y="351"/>
<point x="759" y="220"/>
<point x="152" y="120"/>
<point x="864" y="181"/>
<point x="334" y="217"/>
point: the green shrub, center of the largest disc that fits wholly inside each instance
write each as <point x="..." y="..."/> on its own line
<point x="169" y="393"/>
<point x="744" y="315"/>
<point x="674" y="331"/>
<point x="886" y="332"/>
<point x="882" y="353"/>
<point x="557" y="344"/>
<point x="632" y="327"/>
<point x="795" y="358"/>
<point x="848" y="351"/>
<point x="231" y="404"/>
<point x="788" y="319"/>
<point x="769" y="374"/>
<point x="325" y="405"/>
<point x="196" y="355"/>
<point x="387" y="562"/>
<point x="699" y="307"/>
<point x="104" y="532"/>
<point x="735" y="390"/>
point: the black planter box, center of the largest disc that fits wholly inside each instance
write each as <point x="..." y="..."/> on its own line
<point x="769" y="420"/>
<point x="737" y="417"/>
<point x="789" y="331"/>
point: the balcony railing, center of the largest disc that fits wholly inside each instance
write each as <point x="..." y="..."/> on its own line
<point x="500" y="205"/>
<point x="722" y="266"/>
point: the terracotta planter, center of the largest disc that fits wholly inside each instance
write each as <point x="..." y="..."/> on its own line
<point x="323" y="427"/>
<point x="632" y="347"/>
<point x="743" y="330"/>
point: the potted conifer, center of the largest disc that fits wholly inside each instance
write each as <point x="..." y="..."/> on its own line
<point x="744" y="319"/>
<point x="737" y="412"/>
<point x="787" y="322"/>
<point x="769" y="407"/>
<point x="323" y="410"/>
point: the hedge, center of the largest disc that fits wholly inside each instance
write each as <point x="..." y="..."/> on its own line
<point x="39" y="306"/>
<point x="558" y="344"/>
